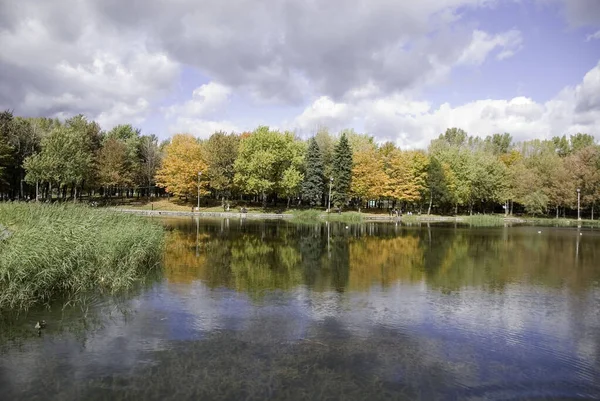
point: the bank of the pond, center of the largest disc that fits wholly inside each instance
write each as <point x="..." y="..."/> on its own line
<point x="314" y="215"/>
<point x="58" y="250"/>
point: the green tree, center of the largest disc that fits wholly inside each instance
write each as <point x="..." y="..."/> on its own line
<point x="561" y="145"/>
<point x="5" y="160"/>
<point x="440" y="183"/>
<point x="326" y="144"/>
<point x="221" y="152"/>
<point x="580" y="141"/>
<point x="499" y="143"/>
<point x="455" y="137"/>
<point x="291" y="182"/>
<point x="90" y="137"/>
<point x="17" y="135"/>
<point x="264" y="157"/>
<point x="313" y="185"/>
<point x="65" y="159"/>
<point x="341" y="172"/>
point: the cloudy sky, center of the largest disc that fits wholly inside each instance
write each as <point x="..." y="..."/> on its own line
<point x="398" y="70"/>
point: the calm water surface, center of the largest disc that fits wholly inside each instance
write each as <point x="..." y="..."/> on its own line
<point x="273" y="310"/>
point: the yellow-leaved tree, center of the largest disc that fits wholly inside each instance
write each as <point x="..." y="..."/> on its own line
<point x="407" y="173"/>
<point x="368" y="177"/>
<point x="180" y="167"/>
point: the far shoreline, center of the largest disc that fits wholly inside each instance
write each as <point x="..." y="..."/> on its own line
<point x="474" y="220"/>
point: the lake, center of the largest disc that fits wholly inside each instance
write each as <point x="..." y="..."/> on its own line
<point x="254" y="310"/>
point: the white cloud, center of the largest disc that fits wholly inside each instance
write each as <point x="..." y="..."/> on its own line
<point x="200" y="115"/>
<point x="58" y="61"/>
<point x="483" y="43"/>
<point x="206" y="99"/>
<point x="201" y="128"/>
<point x="413" y="123"/>
<point x="90" y="56"/>
<point x="593" y="36"/>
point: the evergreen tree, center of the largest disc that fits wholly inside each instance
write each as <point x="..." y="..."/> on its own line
<point x="341" y="172"/>
<point x="312" y="187"/>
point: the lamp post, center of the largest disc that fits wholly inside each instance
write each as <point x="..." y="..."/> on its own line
<point x="329" y="200"/>
<point x="578" y="203"/>
<point x="199" y="174"/>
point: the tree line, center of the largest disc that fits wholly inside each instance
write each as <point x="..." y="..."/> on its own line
<point x="42" y="158"/>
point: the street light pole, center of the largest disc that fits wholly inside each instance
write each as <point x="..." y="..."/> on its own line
<point x="199" y="174"/>
<point x="329" y="200"/>
<point x="578" y="203"/>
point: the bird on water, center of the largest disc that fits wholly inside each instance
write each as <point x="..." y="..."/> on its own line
<point x="39" y="326"/>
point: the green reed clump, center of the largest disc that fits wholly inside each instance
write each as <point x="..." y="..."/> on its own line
<point x="347" y="217"/>
<point x="312" y="215"/>
<point x="58" y="250"/>
<point x="484" y="220"/>
<point x="309" y="215"/>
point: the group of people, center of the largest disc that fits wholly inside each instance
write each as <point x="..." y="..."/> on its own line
<point x="398" y="213"/>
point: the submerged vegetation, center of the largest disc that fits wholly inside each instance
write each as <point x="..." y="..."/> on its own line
<point x="65" y="250"/>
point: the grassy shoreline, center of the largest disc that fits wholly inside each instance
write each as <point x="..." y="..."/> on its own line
<point x="63" y="250"/>
<point x="349" y="216"/>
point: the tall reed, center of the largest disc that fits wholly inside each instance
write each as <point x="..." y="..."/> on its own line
<point x="58" y="250"/>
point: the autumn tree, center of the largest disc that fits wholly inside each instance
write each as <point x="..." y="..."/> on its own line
<point x="368" y="176"/>
<point x="584" y="170"/>
<point x="180" y="167"/>
<point x="406" y="173"/>
<point x="113" y="165"/>
<point x="150" y="159"/>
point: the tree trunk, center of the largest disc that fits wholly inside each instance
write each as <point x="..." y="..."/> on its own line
<point x="557" y="211"/>
<point x="456" y="209"/>
<point x="37" y="191"/>
<point x="430" y="203"/>
<point x="592" y="211"/>
<point x="75" y="193"/>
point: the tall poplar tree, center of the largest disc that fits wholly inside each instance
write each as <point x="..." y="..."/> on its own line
<point x="312" y="187"/>
<point x="341" y="172"/>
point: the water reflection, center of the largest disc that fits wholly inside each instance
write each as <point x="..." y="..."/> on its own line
<point x="266" y="255"/>
<point x="274" y="310"/>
